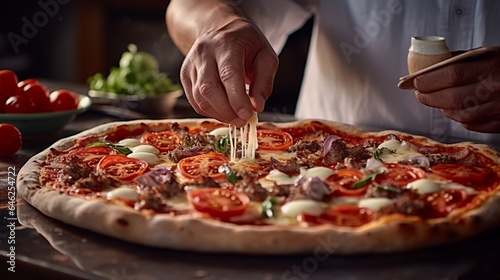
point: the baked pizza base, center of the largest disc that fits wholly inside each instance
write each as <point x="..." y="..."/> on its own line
<point x="195" y="233"/>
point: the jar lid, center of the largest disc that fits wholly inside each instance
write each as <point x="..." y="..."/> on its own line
<point x="428" y="45"/>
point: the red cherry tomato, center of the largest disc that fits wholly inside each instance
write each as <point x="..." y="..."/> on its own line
<point x="343" y="180"/>
<point x="400" y="175"/>
<point x="24" y="83"/>
<point x="273" y="140"/>
<point x="8" y="87"/>
<point x="219" y="203"/>
<point x="10" y="141"/>
<point x="39" y="94"/>
<point x="164" y="141"/>
<point x="445" y="201"/>
<point x="472" y="175"/>
<point x="122" y="167"/>
<point x="202" y="166"/>
<point x="19" y="104"/>
<point x="63" y="100"/>
<point x="342" y="215"/>
<point x="91" y="155"/>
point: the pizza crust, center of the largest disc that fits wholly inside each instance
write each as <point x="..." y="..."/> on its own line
<point x="190" y="232"/>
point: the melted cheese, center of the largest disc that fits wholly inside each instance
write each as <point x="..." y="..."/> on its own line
<point x="147" y="157"/>
<point x="424" y="186"/>
<point x="146" y="149"/>
<point x="295" y="207"/>
<point x="247" y="137"/>
<point x="220" y="131"/>
<point x="395" y="151"/>
<point x="124" y="193"/>
<point x="374" y="203"/>
<point x="130" y="142"/>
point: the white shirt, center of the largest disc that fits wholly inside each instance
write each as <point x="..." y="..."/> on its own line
<point x="359" y="50"/>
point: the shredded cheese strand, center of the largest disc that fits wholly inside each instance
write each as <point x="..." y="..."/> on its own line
<point x="247" y="137"/>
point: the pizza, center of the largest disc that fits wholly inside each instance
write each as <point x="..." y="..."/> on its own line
<point x="269" y="188"/>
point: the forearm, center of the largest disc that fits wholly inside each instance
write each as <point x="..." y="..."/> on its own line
<point x="188" y="19"/>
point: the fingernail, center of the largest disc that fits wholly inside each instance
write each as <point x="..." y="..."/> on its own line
<point x="244" y="114"/>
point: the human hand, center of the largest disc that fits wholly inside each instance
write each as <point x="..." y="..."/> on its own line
<point x="467" y="92"/>
<point x="218" y="66"/>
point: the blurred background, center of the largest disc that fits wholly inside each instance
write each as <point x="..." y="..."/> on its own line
<point x="70" y="40"/>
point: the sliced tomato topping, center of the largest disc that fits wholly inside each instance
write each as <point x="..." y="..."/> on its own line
<point x="219" y="203"/>
<point x="400" y="174"/>
<point x="122" y="167"/>
<point x="343" y="182"/>
<point x="472" y="175"/>
<point x="342" y="215"/>
<point x="164" y="141"/>
<point x="445" y="201"/>
<point x="91" y="155"/>
<point x="273" y="140"/>
<point x="204" y="165"/>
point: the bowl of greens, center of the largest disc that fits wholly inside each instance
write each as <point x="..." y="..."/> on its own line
<point x="136" y="84"/>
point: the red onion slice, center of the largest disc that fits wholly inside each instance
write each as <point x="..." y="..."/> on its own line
<point x="327" y="144"/>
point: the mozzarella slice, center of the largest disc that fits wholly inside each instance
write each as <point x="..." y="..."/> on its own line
<point x="392" y="145"/>
<point x="374" y="203"/>
<point x="424" y="186"/>
<point x="124" y="193"/>
<point x="295" y="207"/>
<point x="220" y="131"/>
<point x="130" y="142"/>
<point x="321" y="172"/>
<point x="398" y="151"/>
<point x="281" y="178"/>
<point x="146" y="148"/>
<point x="147" y="157"/>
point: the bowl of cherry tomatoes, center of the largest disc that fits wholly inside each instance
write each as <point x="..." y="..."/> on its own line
<point x="34" y="109"/>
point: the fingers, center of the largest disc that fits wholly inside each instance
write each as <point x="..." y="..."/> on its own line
<point x="264" y="69"/>
<point x="481" y="113"/>
<point x="453" y="75"/>
<point x="219" y="64"/>
<point x="457" y="97"/>
<point x="486" y="127"/>
<point x="231" y="72"/>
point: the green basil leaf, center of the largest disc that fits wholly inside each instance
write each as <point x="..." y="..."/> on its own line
<point x="267" y="207"/>
<point x="230" y="176"/>
<point x="119" y="148"/>
<point x="365" y="180"/>
<point x="390" y="188"/>
<point x="122" y="149"/>
<point x="222" y="144"/>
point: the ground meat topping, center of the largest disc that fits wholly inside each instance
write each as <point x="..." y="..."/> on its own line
<point x="339" y="151"/>
<point x="79" y="175"/>
<point x="408" y="203"/>
<point x="290" y="167"/>
<point x="313" y="188"/>
<point x="252" y="188"/>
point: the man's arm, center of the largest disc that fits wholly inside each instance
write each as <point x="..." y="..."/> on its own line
<point x="224" y="51"/>
<point x="189" y="19"/>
